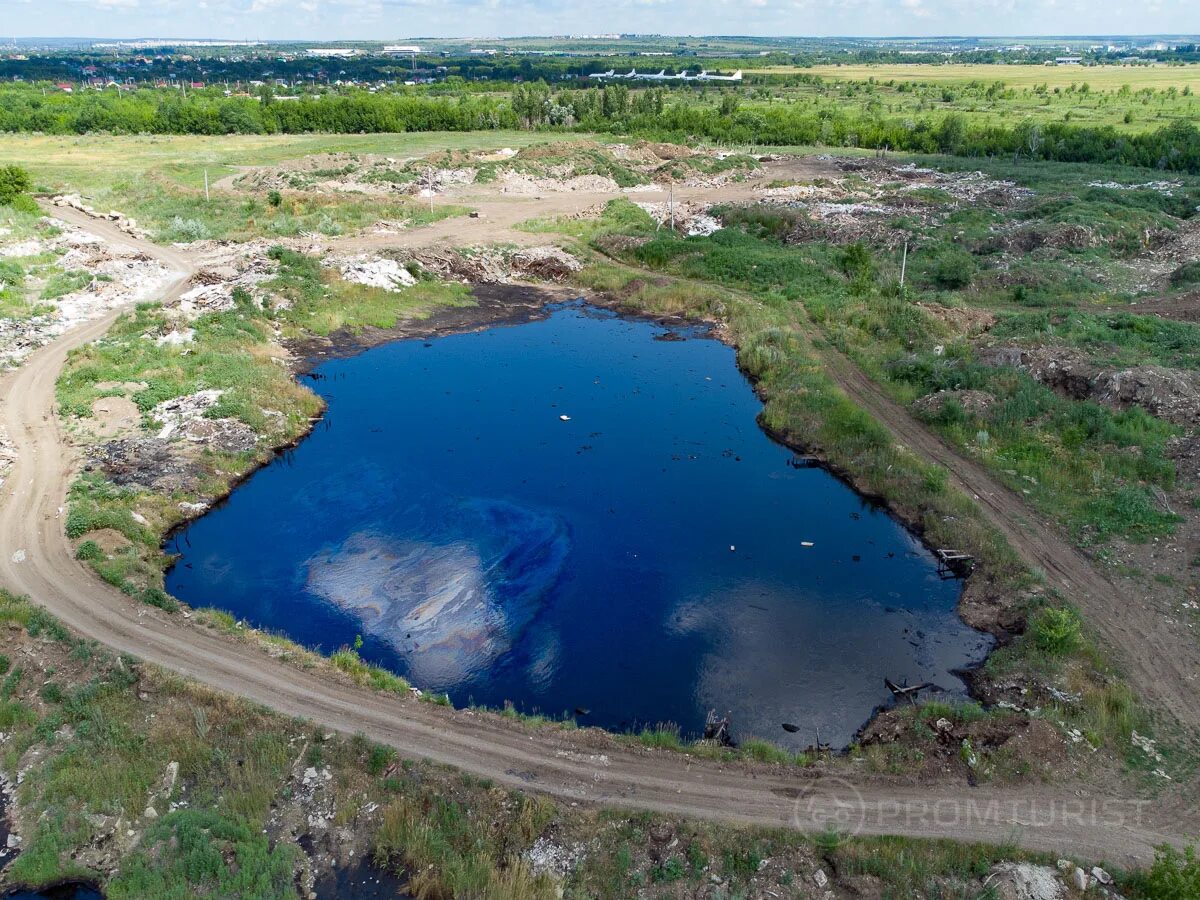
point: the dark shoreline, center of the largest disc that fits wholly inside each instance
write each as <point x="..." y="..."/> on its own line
<point x="517" y="304"/>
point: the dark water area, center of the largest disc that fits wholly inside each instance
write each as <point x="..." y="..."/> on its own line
<point x="362" y="881"/>
<point x="68" y="891"/>
<point x="648" y="557"/>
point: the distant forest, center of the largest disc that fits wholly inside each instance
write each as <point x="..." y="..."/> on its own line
<point x="651" y="113"/>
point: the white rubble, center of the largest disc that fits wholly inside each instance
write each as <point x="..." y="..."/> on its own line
<point x="206" y="298"/>
<point x="1025" y="881"/>
<point x="372" y="271"/>
<point x="121" y="277"/>
<point x="186" y="418"/>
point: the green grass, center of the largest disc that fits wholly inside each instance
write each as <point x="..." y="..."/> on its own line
<point x="176" y="214"/>
<point x="322" y="304"/>
<point x="63" y="283"/>
<point x="197" y="852"/>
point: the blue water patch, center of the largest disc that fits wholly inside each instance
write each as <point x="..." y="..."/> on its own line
<point x="569" y="514"/>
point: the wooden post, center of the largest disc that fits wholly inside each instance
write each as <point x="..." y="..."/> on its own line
<point x="206" y="185"/>
<point x="903" y="265"/>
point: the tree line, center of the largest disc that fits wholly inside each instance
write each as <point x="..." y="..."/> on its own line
<point x="653" y="113"/>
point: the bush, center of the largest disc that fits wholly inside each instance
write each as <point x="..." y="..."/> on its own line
<point x="1188" y="273"/>
<point x="954" y="270"/>
<point x="88" y="551"/>
<point x="14" y="182"/>
<point x="1056" y="630"/>
<point x="23" y="203"/>
<point x="160" y="598"/>
<point x="1174" y="875"/>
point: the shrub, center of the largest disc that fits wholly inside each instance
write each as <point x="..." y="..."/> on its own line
<point x="186" y="230"/>
<point x="14" y="182"/>
<point x="88" y="551"/>
<point x="1188" y="273"/>
<point x="954" y="270"/>
<point x="23" y="203"/>
<point x="1056" y="630"/>
<point x="160" y="598"/>
<point x="1175" y="875"/>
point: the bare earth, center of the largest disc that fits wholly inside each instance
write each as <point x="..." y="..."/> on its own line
<point x="37" y="559"/>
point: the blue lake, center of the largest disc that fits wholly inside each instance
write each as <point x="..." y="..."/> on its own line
<point x="643" y="559"/>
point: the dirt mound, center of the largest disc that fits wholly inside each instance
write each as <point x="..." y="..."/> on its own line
<point x="665" y="151"/>
<point x="1170" y="394"/>
<point x="489" y="265"/>
<point x="964" y="320"/>
<point x="975" y="403"/>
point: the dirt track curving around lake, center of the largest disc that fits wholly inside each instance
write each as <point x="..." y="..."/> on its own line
<point x="37" y="559"/>
<point x="1161" y="658"/>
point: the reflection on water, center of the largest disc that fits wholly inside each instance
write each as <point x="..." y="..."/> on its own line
<point x="569" y="514"/>
<point x="450" y="604"/>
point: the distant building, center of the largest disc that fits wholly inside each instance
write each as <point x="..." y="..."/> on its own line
<point x="332" y="52"/>
<point x="1068" y="60"/>
<point x="402" y="50"/>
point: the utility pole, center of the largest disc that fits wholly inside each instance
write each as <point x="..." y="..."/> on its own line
<point x="206" y="185"/>
<point x="903" y="266"/>
<point x="671" y="206"/>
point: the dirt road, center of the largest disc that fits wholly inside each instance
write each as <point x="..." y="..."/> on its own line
<point x="36" y="559"/>
<point x="1161" y="658"/>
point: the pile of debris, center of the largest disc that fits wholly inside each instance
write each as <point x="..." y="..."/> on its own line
<point x="687" y="218"/>
<point x="1170" y="394"/>
<point x="975" y="403"/>
<point x="187" y="418"/>
<point x="373" y="271"/>
<point x="120" y="277"/>
<point x="74" y="201"/>
<point x="490" y="265"/>
<point x="525" y="185"/>
<point x="152" y="463"/>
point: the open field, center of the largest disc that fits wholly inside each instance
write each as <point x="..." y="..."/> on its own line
<point x="1100" y="78"/>
<point x="93" y="164"/>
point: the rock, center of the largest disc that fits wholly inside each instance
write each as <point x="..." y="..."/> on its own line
<point x="820" y="878"/>
<point x="1065" y="865"/>
<point x="150" y="813"/>
<point x="1101" y="876"/>
<point x="1079" y="879"/>
<point x="13" y="841"/>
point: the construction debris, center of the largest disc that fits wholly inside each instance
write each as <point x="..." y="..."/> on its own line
<point x="373" y="271"/>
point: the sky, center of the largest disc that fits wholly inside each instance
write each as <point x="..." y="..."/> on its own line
<point x="395" y="19"/>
